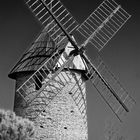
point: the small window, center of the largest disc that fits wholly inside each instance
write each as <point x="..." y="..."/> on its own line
<point x="38" y="82"/>
<point x="65" y="127"/>
<point x="72" y="111"/>
<point x="41" y="126"/>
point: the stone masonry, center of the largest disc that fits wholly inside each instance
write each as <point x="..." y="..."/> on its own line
<point x="60" y="119"/>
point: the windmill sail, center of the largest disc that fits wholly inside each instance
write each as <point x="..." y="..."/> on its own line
<point x="110" y="88"/>
<point x="99" y="80"/>
<point x="46" y="10"/>
<point x="103" y="23"/>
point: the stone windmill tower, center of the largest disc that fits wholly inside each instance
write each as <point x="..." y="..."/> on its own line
<point x="51" y="75"/>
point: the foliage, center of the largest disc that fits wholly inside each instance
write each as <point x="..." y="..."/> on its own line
<point x="13" y="127"/>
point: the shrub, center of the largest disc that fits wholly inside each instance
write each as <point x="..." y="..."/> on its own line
<point x="13" y="127"/>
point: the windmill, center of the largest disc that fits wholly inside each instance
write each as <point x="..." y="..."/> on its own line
<point x="51" y="75"/>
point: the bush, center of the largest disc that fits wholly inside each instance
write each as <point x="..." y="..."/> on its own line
<point x="13" y="127"/>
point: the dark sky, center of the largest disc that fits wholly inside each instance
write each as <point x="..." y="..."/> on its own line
<point x="18" y="28"/>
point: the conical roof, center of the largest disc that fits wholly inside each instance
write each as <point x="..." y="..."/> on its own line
<point x="41" y="49"/>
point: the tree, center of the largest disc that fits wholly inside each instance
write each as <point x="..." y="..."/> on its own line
<point x="13" y="127"/>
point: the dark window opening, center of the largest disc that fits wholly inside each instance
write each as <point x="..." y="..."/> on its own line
<point x="38" y="82"/>
<point x="65" y="127"/>
<point x="71" y="111"/>
<point x="70" y="93"/>
<point x="41" y="126"/>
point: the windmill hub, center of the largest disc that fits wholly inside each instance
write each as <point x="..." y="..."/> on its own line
<point x="79" y="51"/>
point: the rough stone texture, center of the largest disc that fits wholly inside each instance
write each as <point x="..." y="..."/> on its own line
<point x="61" y="119"/>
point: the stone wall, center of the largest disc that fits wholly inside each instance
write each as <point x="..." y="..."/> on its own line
<point x="62" y="118"/>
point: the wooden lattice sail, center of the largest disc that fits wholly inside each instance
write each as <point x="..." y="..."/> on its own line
<point x="51" y="75"/>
